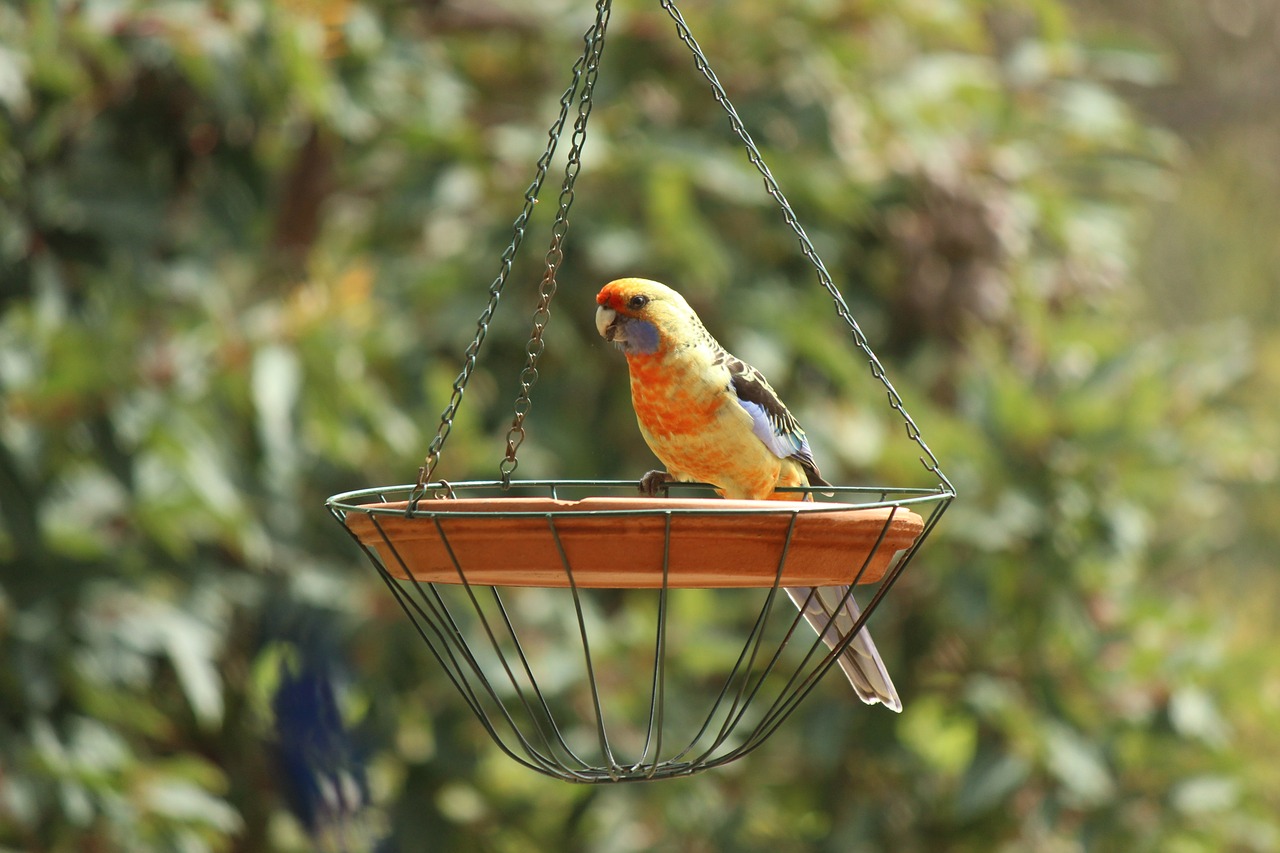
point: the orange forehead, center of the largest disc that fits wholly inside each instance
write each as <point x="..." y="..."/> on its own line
<point x="612" y="295"/>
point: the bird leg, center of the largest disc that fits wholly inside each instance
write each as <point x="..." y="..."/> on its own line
<point x="653" y="481"/>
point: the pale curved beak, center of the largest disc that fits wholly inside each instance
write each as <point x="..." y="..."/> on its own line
<point x="605" y="320"/>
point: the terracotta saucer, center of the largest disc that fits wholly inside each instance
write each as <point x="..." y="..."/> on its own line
<point x="619" y="542"/>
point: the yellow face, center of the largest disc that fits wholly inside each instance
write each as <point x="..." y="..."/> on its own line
<point x="641" y="316"/>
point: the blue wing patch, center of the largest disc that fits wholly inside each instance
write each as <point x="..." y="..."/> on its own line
<point x="782" y="444"/>
<point x="771" y="422"/>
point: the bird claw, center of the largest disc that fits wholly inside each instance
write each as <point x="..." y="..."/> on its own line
<point x="652" y="482"/>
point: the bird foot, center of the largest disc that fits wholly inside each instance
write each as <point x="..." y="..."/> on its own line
<point x="652" y="482"/>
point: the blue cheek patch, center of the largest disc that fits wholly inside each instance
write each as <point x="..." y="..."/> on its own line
<point x="642" y="337"/>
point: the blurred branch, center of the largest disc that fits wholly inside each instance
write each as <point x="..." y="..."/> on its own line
<point x="298" y="216"/>
<point x="114" y="458"/>
<point x="19" y="500"/>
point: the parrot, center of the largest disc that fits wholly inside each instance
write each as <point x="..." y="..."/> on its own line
<point x="711" y="418"/>
<point x="320" y="762"/>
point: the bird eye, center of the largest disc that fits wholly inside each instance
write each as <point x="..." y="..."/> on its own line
<point x="637" y="302"/>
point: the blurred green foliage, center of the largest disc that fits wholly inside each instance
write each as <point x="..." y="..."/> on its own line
<point x="242" y="248"/>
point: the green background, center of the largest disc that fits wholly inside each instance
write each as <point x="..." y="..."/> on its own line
<point x="243" y="247"/>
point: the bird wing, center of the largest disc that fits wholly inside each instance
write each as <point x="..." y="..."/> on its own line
<point x="831" y="612"/>
<point x="771" y="421"/>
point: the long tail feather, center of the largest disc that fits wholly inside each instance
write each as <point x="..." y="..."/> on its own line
<point x="860" y="661"/>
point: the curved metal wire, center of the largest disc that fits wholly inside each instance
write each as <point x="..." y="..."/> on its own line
<point x="496" y="645"/>
<point x="555" y="254"/>
<point x="507" y="661"/>
<point x="929" y="460"/>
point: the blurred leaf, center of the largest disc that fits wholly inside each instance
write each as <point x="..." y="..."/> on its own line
<point x="1194" y="714"/>
<point x="990" y="779"/>
<point x="945" y="742"/>
<point x="1205" y="794"/>
<point x="189" y="803"/>
<point x="277" y="377"/>
<point x="1076" y="762"/>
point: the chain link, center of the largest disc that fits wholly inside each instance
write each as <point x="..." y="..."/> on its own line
<point x="585" y="71"/>
<point x="555" y="254"/>
<point x="929" y="460"/>
<point x="508" y="256"/>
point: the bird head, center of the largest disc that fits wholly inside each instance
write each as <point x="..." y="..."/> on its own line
<point x="643" y="317"/>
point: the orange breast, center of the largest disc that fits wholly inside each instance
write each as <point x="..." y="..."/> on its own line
<point x="668" y="403"/>
<point x="696" y="428"/>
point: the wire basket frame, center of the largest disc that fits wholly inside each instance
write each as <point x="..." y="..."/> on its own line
<point x="524" y="647"/>
<point x="513" y="585"/>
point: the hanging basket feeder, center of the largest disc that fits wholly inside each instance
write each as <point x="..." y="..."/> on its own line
<point x="513" y="584"/>
<point x="480" y="568"/>
<point x="629" y="542"/>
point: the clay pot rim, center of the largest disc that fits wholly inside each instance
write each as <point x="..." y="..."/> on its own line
<point x="493" y="508"/>
<point x="393" y="500"/>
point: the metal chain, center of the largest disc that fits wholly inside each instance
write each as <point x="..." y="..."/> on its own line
<point x="555" y="254"/>
<point x="508" y="256"/>
<point x="929" y="461"/>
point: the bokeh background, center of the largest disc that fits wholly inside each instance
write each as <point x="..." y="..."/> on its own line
<point x="242" y="249"/>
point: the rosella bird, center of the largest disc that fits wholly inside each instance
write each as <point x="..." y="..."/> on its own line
<point x="712" y="418"/>
<point x="320" y="762"/>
